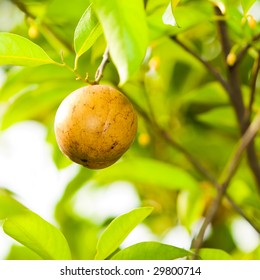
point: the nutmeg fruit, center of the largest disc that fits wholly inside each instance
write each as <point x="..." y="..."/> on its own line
<point x="95" y="125"/>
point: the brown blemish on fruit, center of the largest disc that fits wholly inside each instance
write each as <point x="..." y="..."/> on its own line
<point x="114" y="145"/>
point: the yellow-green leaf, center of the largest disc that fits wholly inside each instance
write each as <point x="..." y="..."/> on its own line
<point x="17" y="50"/>
<point x="118" y="230"/>
<point x="125" y="29"/>
<point x="151" y="251"/>
<point x="214" y="254"/>
<point x="87" y="31"/>
<point x="148" y="171"/>
<point x="31" y="230"/>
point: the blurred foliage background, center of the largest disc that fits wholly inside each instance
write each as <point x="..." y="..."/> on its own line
<point x="186" y="119"/>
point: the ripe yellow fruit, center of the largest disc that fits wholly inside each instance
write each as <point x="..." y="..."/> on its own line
<point x="95" y="125"/>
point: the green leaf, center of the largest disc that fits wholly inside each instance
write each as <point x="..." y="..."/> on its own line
<point x="215" y="118"/>
<point x="18" y="79"/>
<point x="247" y="4"/>
<point x="125" y="29"/>
<point x="17" y="50"/>
<point x="118" y="230"/>
<point x="18" y="252"/>
<point x="34" y="102"/>
<point x="148" y="171"/>
<point x="32" y="94"/>
<point x="214" y="254"/>
<point x="86" y="32"/>
<point x="192" y="14"/>
<point x="31" y="230"/>
<point x="8" y="205"/>
<point x="151" y="251"/>
<point x="38" y="235"/>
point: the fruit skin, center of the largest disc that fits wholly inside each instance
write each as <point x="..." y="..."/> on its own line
<point x="95" y="125"/>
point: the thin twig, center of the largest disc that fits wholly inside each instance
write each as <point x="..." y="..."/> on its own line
<point x="101" y="68"/>
<point x="241" y="213"/>
<point x="242" y="53"/>
<point x="244" y="142"/>
<point x="74" y="71"/>
<point x="229" y="172"/>
<point x="255" y="71"/>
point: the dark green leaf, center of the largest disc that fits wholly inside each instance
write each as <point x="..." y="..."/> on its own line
<point x="118" y="230"/>
<point x="151" y="251"/>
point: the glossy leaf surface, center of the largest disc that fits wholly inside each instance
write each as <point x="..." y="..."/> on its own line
<point x="125" y="29"/>
<point x="150" y="251"/>
<point x="118" y="230"/>
<point x="17" y="50"/>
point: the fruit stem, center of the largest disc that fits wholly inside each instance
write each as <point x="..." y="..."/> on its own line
<point x="74" y="71"/>
<point x="101" y="68"/>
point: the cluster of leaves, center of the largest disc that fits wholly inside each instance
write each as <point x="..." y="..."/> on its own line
<point x="178" y="80"/>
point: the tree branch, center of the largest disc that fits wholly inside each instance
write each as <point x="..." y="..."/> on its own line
<point x="229" y="172"/>
<point x="233" y="89"/>
<point x="196" y="164"/>
<point x="247" y="141"/>
<point x="255" y="72"/>
<point x="235" y="95"/>
<point x="101" y="68"/>
<point x="241" y="213"/>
